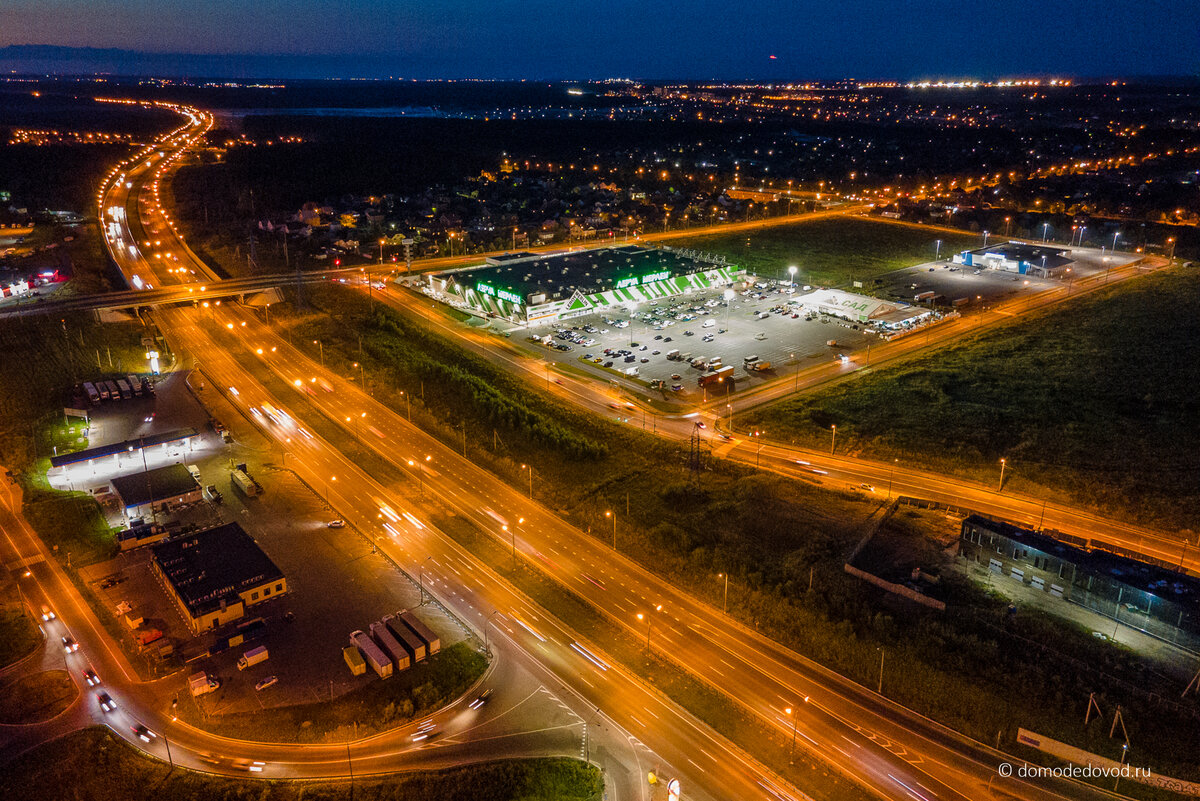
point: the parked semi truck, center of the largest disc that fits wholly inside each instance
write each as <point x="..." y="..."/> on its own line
<point x="384" y="639"/>
<point x="202" y="683"/>
<point x="433" y="643"/>
<point x="405" y="636"/>
<point x="243" y="482"/>
<point x="721" y="375"/>
<point x="253" y="657"/>
<point x="378" y="661"/>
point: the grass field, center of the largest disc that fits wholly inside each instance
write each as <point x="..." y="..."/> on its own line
<point x="36" y="697"/>
<point x="770" y="534"/>
<point x="374" y="707"/>
<point x="18" y="634"/>
<point x="92" y="765"/>
<point x="1094" y="404"/>
<point x="831" y="252"/>
<point x="43" y="358"/>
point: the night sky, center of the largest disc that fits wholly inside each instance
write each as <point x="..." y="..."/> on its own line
<point x="815" y="39"/>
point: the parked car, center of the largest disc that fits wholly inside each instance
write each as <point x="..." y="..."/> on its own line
<point x="269" y="681"/>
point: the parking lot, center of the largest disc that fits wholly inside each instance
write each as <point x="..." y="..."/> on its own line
<point x="759" y="323"/>
<point x="337" y="581"/>
<point x="706" y="328"/>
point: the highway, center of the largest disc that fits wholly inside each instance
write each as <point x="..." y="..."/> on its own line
<point x="889" y="749"/>
<point x="676" y="742"/>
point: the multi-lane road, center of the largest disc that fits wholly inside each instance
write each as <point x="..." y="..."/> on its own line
<point x="675" y="743"/>
<point x="894" y="752"/>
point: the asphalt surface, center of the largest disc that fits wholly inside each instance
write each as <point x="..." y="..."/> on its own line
<point x="890" y="749"/>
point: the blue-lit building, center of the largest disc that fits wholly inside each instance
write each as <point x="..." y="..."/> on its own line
<point x="1017" y="257"/>
<point x="1150" y="597"/>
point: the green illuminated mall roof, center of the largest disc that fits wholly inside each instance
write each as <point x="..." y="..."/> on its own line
<point x="589" y="271"/>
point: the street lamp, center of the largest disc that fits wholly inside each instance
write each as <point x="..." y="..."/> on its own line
<point x="792" y="754"/>
<point x="649" y="622"/>
<point x="1007" y="225"/>
<point x="1045" y="229"/>
<point x="937" y="253"/>
<point x="530" y="469"/>
<point x="420" y="471"/>
<point x="833" y="439"/>
<point x="1000" y="487"/>
<point x="613" y="515"/>
<point x="421" y="579"/>
<point x="381" y="241"/>
<point x="1115" y="235"/>
<point x="320" y="345"/>
<point x="881" y="655"/>
<point x="327" y="483"/>
<point x="487" y="649"/>
<point x="891" y="475"/>
<point x="725" y="600"/>
<point x="985" y="238"/>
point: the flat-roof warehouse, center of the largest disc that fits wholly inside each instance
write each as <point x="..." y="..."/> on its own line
<point x="156" y="490"/>
<point x="540" y="288"/>
<point x="1017" y="257"/>
<point x="215" y="574"/>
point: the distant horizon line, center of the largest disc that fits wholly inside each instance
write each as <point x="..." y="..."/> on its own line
<point x="15" y="53"/>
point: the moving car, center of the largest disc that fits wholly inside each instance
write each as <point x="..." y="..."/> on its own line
<point x="106" y="702"/>
<point x="336" y="524"/>
<point x="142" y="733"/>
<point x="91" y="678"/>
<point x="47" y="613"/>
<point x="69" y="644"/>
<point x="480" y="700"/>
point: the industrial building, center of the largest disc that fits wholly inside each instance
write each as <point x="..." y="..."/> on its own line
<point x="537" y="289"/>
<point x="862" y="308"/>
<point x="1017" y="257"/>
<point x="214" y="575"/>
<point x="1155" y="599"/>
<point x="158" y="490"/>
